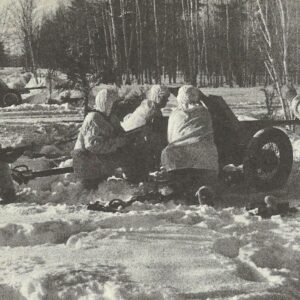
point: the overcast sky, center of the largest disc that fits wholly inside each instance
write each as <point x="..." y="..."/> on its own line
<point x="44" y="7"/>
<point x="45" y="3"/>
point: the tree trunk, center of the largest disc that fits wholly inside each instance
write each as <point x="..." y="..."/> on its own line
<point x="106" y="33"/>
<point x="115" y="51"/>
<point x="126" y="50"/>
<point x="270" y="63"/>
<point x="297" y="46"/>
<point x="91" y="53"/>
<point x="187" y="42"/>
<point x="158" y="71"/>
<point x="140" y="39"/>
<point x="229" y="76"/>
<point x="194" y="45"/>
<point x="284" y="27"/>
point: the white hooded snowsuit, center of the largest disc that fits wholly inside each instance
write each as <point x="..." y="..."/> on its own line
<point x="147" y="109"/>
<point x="190" y="135"/>
<point x="100" y="136"/>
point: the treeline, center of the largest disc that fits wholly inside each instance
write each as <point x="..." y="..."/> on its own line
<point x="219" y="41"/>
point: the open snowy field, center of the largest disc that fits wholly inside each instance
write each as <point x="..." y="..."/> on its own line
<point x="52" y="247"/>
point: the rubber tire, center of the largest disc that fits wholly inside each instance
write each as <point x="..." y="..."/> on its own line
<point x="262" y="137"/>
<point x="11" y="99"/>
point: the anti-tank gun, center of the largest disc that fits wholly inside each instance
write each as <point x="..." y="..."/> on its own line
<point x="10" y="96"/>
<point x="22" y="174"/>
<point x="261" y="147"/>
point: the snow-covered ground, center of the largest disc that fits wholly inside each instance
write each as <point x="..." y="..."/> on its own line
<point x="161" y="251"/>
<point x="52" y="247"/>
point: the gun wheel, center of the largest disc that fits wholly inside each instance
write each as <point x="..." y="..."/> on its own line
<point x="10" y="99"/>
<point x="268" y="159"/>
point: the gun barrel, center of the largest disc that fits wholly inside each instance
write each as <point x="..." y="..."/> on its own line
<point x="37" y="88"/>
<point x="51" y="172"/>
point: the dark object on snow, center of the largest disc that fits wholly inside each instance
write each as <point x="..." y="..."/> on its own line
<point x="205" y="195"/>
<point x="117" y="205"/>
<point x="268" y="208"/>
<point x="96" y="206"/>
<point x="22" y="174"/>
<point x="182" y="184"/>
<point x="10" y="97"/>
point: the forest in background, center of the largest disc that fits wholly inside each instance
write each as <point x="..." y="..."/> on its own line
<point x="203" y="42"/>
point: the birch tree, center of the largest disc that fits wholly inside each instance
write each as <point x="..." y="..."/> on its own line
<point x="24" y="18"/>
<point x="157" y="44"/>
<point x="273" y="31"/>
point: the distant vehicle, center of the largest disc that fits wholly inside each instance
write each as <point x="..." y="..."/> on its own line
<point x="9" y="96"/>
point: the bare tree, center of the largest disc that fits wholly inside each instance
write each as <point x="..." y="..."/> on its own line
<point x="169" y="37"/>
<point x="229" y="59"/>
<point x="157" y="52"/>
<point x="139" y="38"/>
<point x="273" y="42"/>
<point x="114" y="39"/>
<point x="23" y="15"/>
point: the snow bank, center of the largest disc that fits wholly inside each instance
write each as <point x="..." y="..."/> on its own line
<point x="46" y="108"/>
<point x="57" y="138"/>
<point x="227" y="246"/>
<point x="150" y="252"/>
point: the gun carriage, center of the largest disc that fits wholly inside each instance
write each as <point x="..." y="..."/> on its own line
<point x="262" y="147"/>
<point x="10" y="96"/>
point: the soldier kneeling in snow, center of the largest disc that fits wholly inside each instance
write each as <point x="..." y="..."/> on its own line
<point x="7" y="190"/>
<point x="191" y="158"/>
<point x="149" y="113"/>
<point x="97" y="150"/>
<point x="102" y="145"/>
